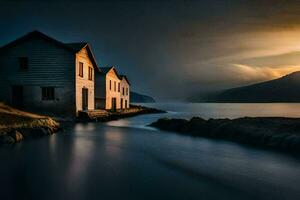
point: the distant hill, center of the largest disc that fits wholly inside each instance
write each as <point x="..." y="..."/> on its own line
<point x="284" y="89"/>
<point x="140" y="98"/>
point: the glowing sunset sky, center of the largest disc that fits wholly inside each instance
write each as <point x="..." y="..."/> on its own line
<point x="171" y="50"/>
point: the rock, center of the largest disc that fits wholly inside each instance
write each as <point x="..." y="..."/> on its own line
<point x="16" y="135"/>
<point x="277" y="133"/>
<point x="26" y="132"/>
<point x="36" y="132"/>
<point x="7" y="139"/>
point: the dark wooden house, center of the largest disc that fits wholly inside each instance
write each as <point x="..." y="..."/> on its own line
<point x="41" y="74"/>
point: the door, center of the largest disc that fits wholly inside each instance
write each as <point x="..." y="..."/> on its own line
<point x="114" y="104"/>
<point x="121" y="103"/>
<point x="17" y="96"/>
<point x="85" y="98"/>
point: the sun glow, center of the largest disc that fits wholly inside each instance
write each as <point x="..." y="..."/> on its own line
<point x="248" y="73"/>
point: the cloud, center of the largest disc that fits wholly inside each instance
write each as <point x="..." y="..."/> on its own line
<point x="246" y="73"/>
<point x="170" y="49"/>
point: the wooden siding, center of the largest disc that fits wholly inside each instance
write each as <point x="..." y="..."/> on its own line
<point x="125" y="97"/>
<point x="84" y="82"/>
<point x="104" y="94"/>
<point x="50" y="65"/>
<point x="111" y="93"/>
<point x="100" y="90"/>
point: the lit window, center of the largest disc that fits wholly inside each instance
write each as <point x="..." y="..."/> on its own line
<point x="90" y="73"/>
<point x="80" y="69"/>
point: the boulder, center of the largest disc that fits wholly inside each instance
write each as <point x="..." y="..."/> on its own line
<point x="16" y="135"/>
<point x="7" y="139"/>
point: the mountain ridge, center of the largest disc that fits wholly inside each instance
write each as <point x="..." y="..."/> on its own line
<point x="283" y="89"/>
<point x="141" y="98"/>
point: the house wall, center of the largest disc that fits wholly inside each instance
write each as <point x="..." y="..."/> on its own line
<point x="100" y="91"/>
<point x="49" y="66"/>
<point x="111" y="93"/>
<point x="84" y="82"/>
<point x="125" y="96"/>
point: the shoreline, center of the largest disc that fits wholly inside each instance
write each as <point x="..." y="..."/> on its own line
<point x="278" y="133"/>
<point x="40" y="127"/>
<point x="16" y="125"/>
<point x="105" y="116"/>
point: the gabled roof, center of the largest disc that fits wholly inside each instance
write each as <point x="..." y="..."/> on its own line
<point x="77" y="46"/>
<point x="90" y="52"/>
<point x="105" y="70"/>
<point x="73" y="47"/>
<point x="125" y="77"/>
<point x="35" y="34"/>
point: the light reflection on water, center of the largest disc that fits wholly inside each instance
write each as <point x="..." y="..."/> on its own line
<point x="99" y="161"/>
<point x="211" y="110"/>
<point x="230" y="110"/>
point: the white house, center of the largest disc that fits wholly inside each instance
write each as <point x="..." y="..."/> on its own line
<point x="125" y="93"/>
<point x="112" y="90"/>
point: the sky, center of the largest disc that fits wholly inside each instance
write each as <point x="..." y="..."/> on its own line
<point x="171" y="49"/>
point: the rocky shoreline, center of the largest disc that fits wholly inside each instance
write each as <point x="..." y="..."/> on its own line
<point x="17" y="125"/>
<point x="18" y="135"/>
<point x="267" y="132"/>
<point x="15" y="135"/>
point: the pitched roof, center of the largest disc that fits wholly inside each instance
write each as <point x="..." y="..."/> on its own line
<point x="105" y="70"/>
<point x="73" y="47"/>
<point x="91" y="54"/>
<point x="35" y="34"/>
<point x="76" y="46"/>
<point x="125" y="77"/>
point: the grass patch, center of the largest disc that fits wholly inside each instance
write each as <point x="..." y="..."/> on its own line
<point x="12" y="118"/>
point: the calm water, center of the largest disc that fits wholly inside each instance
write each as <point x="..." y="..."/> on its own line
<point x="126" y="160"/>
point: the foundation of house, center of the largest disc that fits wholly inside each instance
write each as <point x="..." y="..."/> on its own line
<point x="107" y="115"/>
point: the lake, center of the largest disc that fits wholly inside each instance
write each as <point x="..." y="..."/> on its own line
<point x="125" y="159"/>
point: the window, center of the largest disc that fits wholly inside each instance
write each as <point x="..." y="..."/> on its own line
<point x="126" y="106"/>
<point x="90" y="73"/>
<point x="123" y="91"/>
<point x="80" y="69"/>
<point x="23" y="61"/>
<point x="115" y="86"/>
<point x="126" y="91"/>
<point x="109" y="84"/>
<point x="118" y="87"/>
<point x="47" y="93"/>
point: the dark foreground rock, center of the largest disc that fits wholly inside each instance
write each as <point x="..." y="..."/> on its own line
<point x="17" y="125"/>
<point x="270" y="132"/>
<point x="104" y="116"/>
<point x="18" y="135"/>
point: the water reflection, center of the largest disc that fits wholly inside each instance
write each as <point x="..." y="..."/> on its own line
<point x="98" y="161"/>
<point x="82" y="128"/>
<point x="113" y="142"/>
<point x="230" y="110"/>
